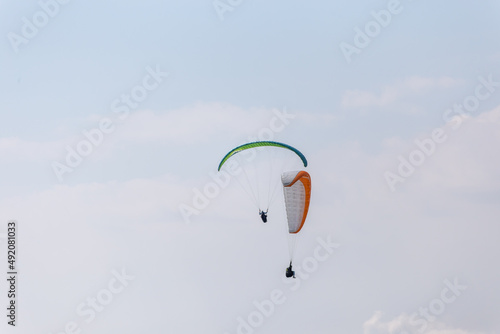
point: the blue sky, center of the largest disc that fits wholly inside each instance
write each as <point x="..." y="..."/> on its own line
<point x="228" y="81"/>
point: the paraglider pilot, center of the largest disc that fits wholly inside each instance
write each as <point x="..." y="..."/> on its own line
<point x="289" y="271"/>
<point x="263" y="215"/>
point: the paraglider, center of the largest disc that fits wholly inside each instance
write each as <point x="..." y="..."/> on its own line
<point x="297" y="192"/>
<point x="263" y="215"/>
<point x="260" y="164"/>
<point x="289" y="271"/>
<point x="261" y="144"/>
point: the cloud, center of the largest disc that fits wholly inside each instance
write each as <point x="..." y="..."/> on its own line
<point x="17" y="149"/>
<point x="317" y="119"/>
<point x="351" y="201"/>
<point x="128" y="201"/>
<point x="402" y="324"/>
<point x="185" y="126"/>
<point x="194" y="124"/>
<point x="392" y="94"/>
<point x="469" y="158"/>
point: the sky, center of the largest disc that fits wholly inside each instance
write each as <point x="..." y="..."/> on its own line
<point x="115" y="115"/>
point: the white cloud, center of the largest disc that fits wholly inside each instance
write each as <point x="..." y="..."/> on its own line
<point x="17" y="149"/>
<point x="132" y="200"/>
<point x="185" y="126"/>
<point x="193" y="124"/>
<point x="412" y="86"/>
<point x="402" y="324"/>
<point x="351" y="200"/>
<point x="469" y="158"/>
<point x="317" y="119"/>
